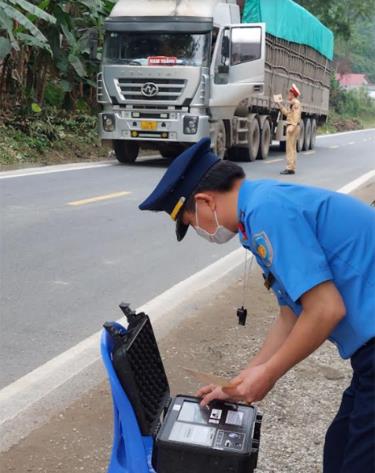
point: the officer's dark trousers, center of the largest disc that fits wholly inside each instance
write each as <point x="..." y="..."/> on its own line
<point x="350" y="440"/>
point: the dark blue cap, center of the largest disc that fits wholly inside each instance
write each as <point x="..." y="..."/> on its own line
<point x="180" y="181"/>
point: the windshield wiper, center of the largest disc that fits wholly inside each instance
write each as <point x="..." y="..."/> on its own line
<point x="131" y="62"/>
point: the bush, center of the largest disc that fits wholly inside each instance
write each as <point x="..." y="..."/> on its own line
<point x="352" y="103"/>
<point x="34" y="136"/>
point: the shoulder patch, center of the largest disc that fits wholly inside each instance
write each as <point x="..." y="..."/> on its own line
<point x="263" y="248"/>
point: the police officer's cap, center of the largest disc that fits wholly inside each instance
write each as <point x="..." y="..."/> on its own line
<point x="180" y="181"/>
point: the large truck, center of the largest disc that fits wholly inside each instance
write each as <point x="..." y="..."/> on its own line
<point x="174" y="71"/>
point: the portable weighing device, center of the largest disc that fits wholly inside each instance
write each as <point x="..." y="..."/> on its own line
<point x="221" y="438"/>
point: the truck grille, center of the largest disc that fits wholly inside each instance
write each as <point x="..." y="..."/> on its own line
<point x="100" y="89"/>
<point x="165" y="90"/>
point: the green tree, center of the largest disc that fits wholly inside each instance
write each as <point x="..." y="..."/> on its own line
<point x="340" y="16"/>
<point x="17" y="26"/>
<point x="44" y="50"/>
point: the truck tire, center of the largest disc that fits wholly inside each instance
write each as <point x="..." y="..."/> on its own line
<point x="219" y="144"/>
<point x="253" y="142"/>
<point x="314" y="129"/>
<point x="265" y="140"/>
<point x="126" y="151"/>
<point x="301" y="138"/>
<point x="306" y="144"/>
<point x="167" y="153"/>
<point x="170" y="152"/>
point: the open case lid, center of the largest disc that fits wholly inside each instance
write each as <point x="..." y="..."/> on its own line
<point x="139" y="367"/>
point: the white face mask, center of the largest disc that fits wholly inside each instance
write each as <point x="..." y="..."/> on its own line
<point x="221" y="234"/>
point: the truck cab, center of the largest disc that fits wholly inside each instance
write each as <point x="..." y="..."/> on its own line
<point x="174" y="72"/>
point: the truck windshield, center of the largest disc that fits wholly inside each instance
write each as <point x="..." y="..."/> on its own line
<point x="152" y="49"/>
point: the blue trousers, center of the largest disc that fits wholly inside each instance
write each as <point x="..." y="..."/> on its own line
<point x="350" y="439"/>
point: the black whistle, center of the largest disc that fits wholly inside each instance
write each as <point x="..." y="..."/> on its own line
<point x="242" y="316"/>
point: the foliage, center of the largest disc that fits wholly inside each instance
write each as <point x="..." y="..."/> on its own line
<point x="16" y="17"/>
<point x="340" y="16"/>
<point x="353" y="103"/>
<point x="353" y="23"/>
<point x="358" y="54"/>
<point x="33" y="137"/>
<point x="349" y="110"/>
<point x="44" y="50"/>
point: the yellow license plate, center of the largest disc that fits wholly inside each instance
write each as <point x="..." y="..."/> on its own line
<point x="149" y="125"/>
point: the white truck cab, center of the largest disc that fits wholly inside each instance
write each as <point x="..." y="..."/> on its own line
<point x="173" y="71"/>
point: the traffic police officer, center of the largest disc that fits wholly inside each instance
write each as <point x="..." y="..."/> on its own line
<point x="293" y="119"/>
<point x="317" y="252"/>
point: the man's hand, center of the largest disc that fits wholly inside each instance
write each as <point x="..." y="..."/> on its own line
<point x="250" y="385"/>
<point x="211" y="392"/>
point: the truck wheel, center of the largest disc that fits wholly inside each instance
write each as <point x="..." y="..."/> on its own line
<point x="265" y="140"/>
<point x="301" y="138"/>
<point x="170" y="152"/>
<point x="253" y="139"/>
<point x="219" y="144"/>
<point x="313" y="133"/>
<point x="126" y="151"/>
<point x="306" y="144"/>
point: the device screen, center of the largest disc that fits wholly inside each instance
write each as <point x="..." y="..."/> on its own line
<point x="192" y="412"/>
<point x="192" y="433"/>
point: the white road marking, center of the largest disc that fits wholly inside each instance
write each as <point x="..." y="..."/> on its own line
<point x="53" y="169"/>
<point x="334" y="147"/>
<point x="60" y="168"/>
<point x="271" y="161"/>
<point x="308" y="153"/>
<point x="351" y="186"/>
<point x="351" y="143"/>
<point x="328" y="135"/>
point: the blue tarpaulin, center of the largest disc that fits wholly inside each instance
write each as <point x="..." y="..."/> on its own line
<point x="287" y="20"/>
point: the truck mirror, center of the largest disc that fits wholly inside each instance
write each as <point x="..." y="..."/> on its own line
<point x="93" y="44"/>
<point x="223" y="69"/>
<point x="225" y="48"/>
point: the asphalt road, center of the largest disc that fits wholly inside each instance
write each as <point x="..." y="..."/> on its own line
<point x="66" y="262"/>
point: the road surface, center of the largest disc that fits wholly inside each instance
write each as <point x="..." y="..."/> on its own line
<point x="74" y="244"/>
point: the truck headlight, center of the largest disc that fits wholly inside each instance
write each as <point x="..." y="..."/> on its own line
<point x="191" y="125"/>
<point x="109" y="122"/>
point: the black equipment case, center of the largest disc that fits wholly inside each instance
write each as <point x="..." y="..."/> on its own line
<point x="223" y="438"/>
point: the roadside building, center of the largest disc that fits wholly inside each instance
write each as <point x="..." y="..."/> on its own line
<point x="352" y="81"/>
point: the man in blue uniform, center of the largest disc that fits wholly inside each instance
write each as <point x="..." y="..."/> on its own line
<point x="317" y="252"/>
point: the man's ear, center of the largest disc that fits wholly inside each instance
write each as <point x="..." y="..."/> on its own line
<point x="207" y="198"/>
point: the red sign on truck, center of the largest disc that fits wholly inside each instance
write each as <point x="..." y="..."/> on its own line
<point x="161" y="60"/>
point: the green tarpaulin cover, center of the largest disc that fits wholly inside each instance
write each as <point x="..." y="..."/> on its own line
<point x="287" y="20"/>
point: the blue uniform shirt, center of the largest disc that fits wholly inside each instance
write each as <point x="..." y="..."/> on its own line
<point x="305" y="236"/>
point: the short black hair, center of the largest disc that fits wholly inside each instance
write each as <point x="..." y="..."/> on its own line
<point x="219" y="178"/>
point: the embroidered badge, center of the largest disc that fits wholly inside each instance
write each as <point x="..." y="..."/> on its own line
<point x="263" y="247"/>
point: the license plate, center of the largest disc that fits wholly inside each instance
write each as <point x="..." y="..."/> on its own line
<point x="149" y="125"/>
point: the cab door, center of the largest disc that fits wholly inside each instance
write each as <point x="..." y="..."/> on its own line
<point x="238" y="66"/>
